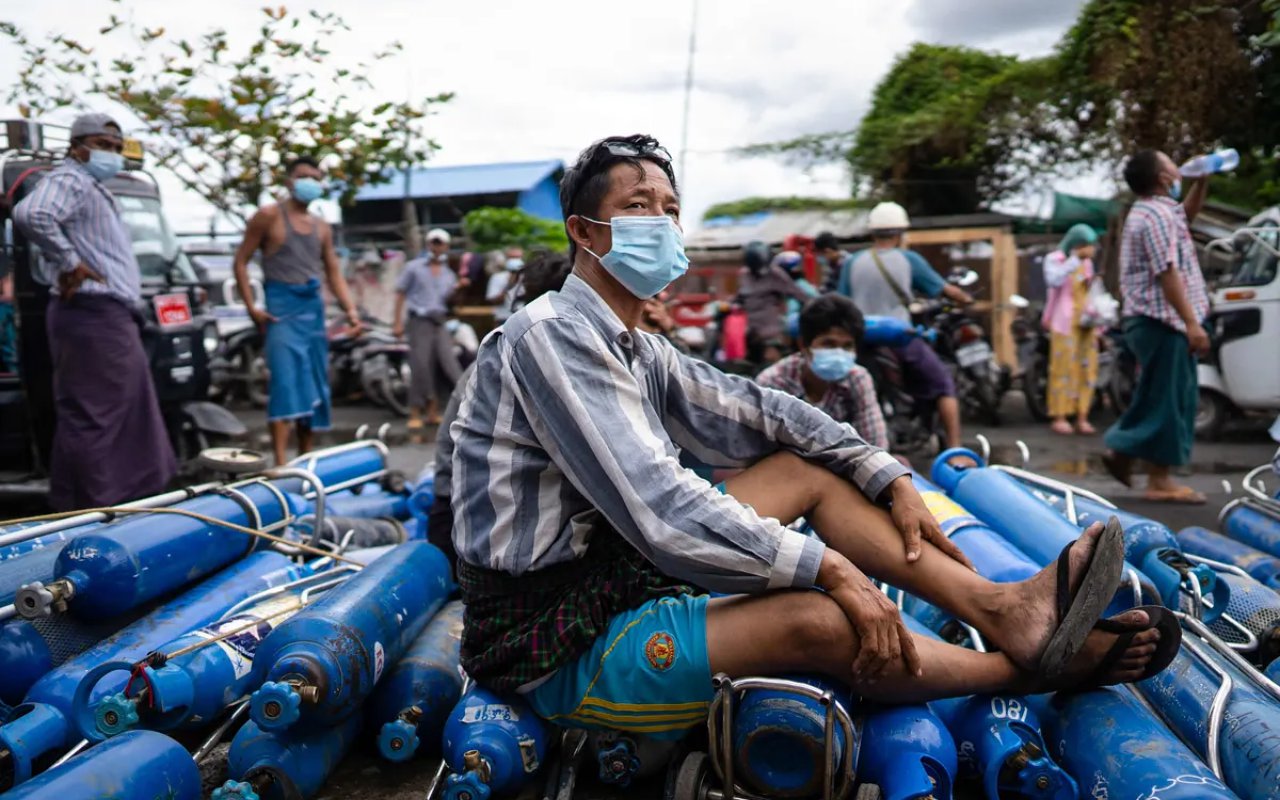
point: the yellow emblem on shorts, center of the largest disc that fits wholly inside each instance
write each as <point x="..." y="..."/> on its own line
<point x="661" y="651"/>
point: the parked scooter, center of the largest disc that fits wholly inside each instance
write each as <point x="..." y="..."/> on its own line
<point x="981" y="380"/>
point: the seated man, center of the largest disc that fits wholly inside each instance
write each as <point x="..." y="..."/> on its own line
<point x="546" y="272"/>
<point x="584" y="543"/>
<point x="824" y="372"/>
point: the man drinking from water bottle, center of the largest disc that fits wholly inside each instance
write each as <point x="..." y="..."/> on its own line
<point x="297" y="249"/>
<point x="586" y="541"/>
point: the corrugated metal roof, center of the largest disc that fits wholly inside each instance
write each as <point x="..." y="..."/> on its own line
<point x="772" y="227"/>
<point x="463" y="180"/>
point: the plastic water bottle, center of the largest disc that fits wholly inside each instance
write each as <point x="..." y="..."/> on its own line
<point x="1221" y="161"/>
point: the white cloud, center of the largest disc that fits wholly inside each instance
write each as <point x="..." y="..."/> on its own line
<point x="538" y="80"/>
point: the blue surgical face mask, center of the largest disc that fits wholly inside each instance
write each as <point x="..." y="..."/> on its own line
<point x="831" y="363"/>
<point x="514" y="264"/>
<point x="305" y="190"/>
<point x="104" y="164"/>
<point x="1175" y="190"/>
<point x="647" y="253"/>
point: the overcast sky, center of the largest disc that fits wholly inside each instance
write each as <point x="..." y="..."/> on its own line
<point x="542" y="79"/>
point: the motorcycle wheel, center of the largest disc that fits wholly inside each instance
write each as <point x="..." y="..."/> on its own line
<point x="988" y="401"/>
<point x="1035" y="388"/>
<point x="395" y="389"/>
<point x="252" y="364"/>
<point x="1212" y="413"/>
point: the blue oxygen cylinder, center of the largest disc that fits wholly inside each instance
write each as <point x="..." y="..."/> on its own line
<point x="998" y="740"/>
<point x="323" y="662"/>
<point x="908" y="753"/>
<point x="1207" y="544"/>
<point x="996" y="559"/>
<point x="887" y="332"/>
<point x="1118" y="750"/>
<point x="24" y="657"/>
<point x="779" y="739"/>
<point x="140" y="764"/>
<point x="1253" y="522"/>
<point x="493" y="745"/>
<point x="44" y="722"/>
<point x="280" y="765"/>
<point x="192" y="689"/>
<point x="1153" y="548"/>
<point x="1183" y="696"/>
<point x="343" y="466"/>
<point x="1015" y="513"/>
<point x="417" y="694"/>
<point x="370" y="502"/>
<point x="122" y="565"/>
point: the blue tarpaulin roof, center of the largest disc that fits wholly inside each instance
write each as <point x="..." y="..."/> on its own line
<point x="463" y="180"/>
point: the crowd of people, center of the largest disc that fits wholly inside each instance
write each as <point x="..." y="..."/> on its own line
<point x="596" y="483"/>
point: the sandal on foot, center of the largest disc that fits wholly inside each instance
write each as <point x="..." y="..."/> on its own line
<point x="1184" y="495"/>
<point x="1160" y="618"/>
<point x="1085" y="429"/>
<point x="1078" y="611"/>
<point x="1062" y="428"/>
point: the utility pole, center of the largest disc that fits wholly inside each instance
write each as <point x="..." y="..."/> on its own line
<point x="688" y="89"/>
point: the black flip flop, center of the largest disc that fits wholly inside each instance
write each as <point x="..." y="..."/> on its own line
<point x="1119" y="467"/>
<point x="1078" y="612"/>
<point x="1162" y="619"/>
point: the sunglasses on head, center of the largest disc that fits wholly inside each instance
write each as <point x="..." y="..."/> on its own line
<point x="622" y="149"/>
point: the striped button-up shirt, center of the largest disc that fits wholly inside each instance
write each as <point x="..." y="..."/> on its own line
<point x="1156" y="236"/>
<point x="74" y="220"/>
<point x="572" y="421"/>
<point x="851" y="399"/>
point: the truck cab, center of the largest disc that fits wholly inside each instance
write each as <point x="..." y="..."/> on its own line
<point x="179" y="334"/>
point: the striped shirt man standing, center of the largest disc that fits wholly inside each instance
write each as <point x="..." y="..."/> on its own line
<point x="586" y="544"/>
<point x="1164" y="306"/>
<point x="110" y="443"/>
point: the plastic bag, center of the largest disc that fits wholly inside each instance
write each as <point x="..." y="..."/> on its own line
<point x="1101" y="310"/>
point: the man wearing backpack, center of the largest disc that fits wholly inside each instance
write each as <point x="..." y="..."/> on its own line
<point x="883" y="280"/>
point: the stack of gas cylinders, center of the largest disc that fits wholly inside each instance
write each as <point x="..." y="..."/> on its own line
<point x="137" y="645"/>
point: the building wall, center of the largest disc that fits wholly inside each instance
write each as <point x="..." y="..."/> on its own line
<point x="543" y="200"/>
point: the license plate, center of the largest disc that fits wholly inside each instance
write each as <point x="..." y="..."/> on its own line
<point x="172" y="309"/>
<point x="972" y="354"/>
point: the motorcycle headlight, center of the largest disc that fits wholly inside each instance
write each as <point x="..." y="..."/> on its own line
<point x="211" y="339"/>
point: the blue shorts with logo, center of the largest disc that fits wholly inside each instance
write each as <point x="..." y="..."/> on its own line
<point x="649" y="673"/>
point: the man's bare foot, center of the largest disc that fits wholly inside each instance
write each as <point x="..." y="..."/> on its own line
<point x="1082" y="673"/>
<point x="1026" y="614"/>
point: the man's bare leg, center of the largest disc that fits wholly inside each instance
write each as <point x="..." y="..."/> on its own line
<point x="279" y="439"/>
<point x="780" y="632"/>
<point x="949" y="414"/>
<point x="1018" y="618"/>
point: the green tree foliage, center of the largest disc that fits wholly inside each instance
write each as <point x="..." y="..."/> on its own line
<point x="950" y="129"/>
<point x="224" y="116"/>
<point x="1182" y="76"/>
<point x="491" y="228"/>
<point x="752" y="205"/>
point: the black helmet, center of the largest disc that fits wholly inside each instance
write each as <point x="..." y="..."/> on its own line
<point x="756" y="257"/>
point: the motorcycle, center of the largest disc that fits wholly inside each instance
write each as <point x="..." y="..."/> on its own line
<point x="962" y="343"/>
<point x="372" y="365"/>
<point x="913" y="426"/>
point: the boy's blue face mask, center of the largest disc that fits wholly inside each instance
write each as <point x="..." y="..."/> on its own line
<point x="831" y="363"/>
<point x="647" y="253"/>
<point x="306" y="190"/>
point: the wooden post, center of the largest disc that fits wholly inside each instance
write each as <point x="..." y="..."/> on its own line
<point x="1004" y="282"/>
